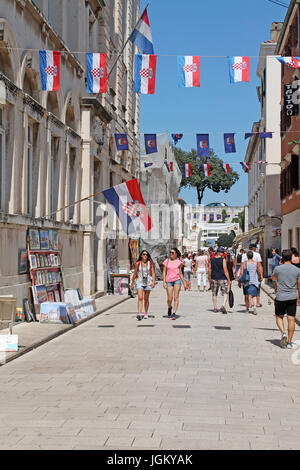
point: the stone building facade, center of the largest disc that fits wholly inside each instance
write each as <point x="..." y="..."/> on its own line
<point x="58" y="147"/>
<point x="288" y="45"/>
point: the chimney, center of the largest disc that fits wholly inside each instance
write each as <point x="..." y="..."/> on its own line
<point x="275" y="30"/>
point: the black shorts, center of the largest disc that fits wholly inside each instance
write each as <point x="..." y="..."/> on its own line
<point x="288" y="307"/>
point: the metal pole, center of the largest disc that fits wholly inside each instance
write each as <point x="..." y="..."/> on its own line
<point x="115" y="63"/>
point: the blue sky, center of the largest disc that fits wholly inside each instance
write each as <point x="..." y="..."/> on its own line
<point x="205" y="28"/>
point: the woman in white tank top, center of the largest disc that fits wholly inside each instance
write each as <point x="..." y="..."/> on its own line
<point x="201" y="266"/>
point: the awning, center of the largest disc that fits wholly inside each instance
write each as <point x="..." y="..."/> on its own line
<point x="247" y="236"/>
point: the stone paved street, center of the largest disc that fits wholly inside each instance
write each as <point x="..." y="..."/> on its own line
<point x="204" y="381"/>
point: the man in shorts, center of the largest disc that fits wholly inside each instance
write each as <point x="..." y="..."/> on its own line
<point x="286" y="278"/>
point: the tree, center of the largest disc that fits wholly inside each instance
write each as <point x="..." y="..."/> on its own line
<point x="224" y="213"/>
<point x="217" y="181"/>
<point x="240" y="219"/>
<point x="225" y="240"/>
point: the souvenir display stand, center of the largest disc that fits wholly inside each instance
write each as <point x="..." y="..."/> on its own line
<point x="44" y="267"/>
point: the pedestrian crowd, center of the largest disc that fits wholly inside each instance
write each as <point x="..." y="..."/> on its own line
<point x="215" y="270"/>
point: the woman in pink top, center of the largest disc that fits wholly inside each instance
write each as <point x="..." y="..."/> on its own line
<point x="201" y="265"/>
<point x="172" y="277"/>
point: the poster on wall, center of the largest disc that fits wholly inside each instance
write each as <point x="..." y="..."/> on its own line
<point x="23" y="267"/>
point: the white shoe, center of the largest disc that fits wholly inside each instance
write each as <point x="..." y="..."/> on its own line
<point x="283" y="341"/>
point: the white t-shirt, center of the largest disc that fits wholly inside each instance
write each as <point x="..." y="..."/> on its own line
<point x="256" y="257"/>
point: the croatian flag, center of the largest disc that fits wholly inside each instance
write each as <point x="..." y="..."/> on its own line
<point x="187" y="169"/>
<point x="121" y="141"/>
<point x="96" y="73"/>
<point x="150" y="143"/>
<point x="203" y="145"/>
<point x="245" y="166"/>
<point x="229" y="143"/>
<point x="147" y="164"/>
<point x="225" y="167"/>
<point x="188" y="71"/>
<point x="293" y="62"/>
<point x="205" y="167"/>
<point x="144" y="74"/>
<point x="239" y="69"/>
<point x="50" y="70"/>
<point x="128" y="202"/>
<point x="176" y="137"/>
<point x="142" y="36"/>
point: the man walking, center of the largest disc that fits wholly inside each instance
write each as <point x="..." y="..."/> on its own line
<point x="219" y="279"/>
<point x="286" y="278"/>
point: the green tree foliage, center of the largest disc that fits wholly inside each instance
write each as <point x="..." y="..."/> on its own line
<point x="226" y="240"/>
<point x="217" y="181"/>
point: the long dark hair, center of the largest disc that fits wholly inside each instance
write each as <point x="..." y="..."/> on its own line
<point x="177" y="252"/>
<point x="148" y="257"/>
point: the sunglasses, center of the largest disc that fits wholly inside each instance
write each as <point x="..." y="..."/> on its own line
<point x="144" y="254"/>
<point x="172" y="252"/>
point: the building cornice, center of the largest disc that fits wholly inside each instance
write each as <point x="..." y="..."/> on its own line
<point x="47" y="28"/>
<point x="292" y="10"/>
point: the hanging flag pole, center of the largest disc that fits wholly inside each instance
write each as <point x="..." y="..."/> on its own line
<point x="128" y="39"/>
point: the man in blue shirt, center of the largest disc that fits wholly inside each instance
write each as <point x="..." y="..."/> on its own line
<point x="276" y="258"/>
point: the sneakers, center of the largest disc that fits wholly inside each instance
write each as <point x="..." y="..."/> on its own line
<point x="254" y="311"/>
<point x="173" y="316"/>
<point x="169" y="311"/>
<point x="139" y="316"/>
<point x="145" y="316"/>
<point x="291" y="345"/>
<point x="283" y="341"/>
<point x="223" y="310"/>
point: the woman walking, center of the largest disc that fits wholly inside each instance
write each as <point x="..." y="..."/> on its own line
<point x="201" y="268"/>
<point x="187" y="271"/>
<point x="172" y="278"/>
<point x="145" y="275"/>
<point x="252" y="287"/>
<point x="219" y="278"/>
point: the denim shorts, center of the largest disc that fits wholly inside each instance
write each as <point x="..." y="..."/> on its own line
<point x="173" y="283"/>
<point x="139" y="286"/>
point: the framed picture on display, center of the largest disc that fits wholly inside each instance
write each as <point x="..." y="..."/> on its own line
<point x="56" y="296"/>
<point x="23" y="267"/>
<point x="53" y="239"/>
<point x="33" y="262"/>
<point x="40" y="294"/>
<point x="44" y="239"/>
<point x="34" y="239"/>
<point x="51" y="296"/>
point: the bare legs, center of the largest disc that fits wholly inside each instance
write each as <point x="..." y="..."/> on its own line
<point x="143" y="296"/>
<point x="173" y="293"/>
<point x="291" y="326"/>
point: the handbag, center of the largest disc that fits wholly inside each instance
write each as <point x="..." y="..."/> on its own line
<point x="230" y="298"/>
<point x="245" y="277"/>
